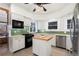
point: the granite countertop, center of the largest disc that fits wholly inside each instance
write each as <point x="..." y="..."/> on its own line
<point x="54" y="33"/>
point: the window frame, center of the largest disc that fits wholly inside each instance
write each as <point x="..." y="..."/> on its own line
<point x="69" y="24"/>
<point x="52" y="25"/>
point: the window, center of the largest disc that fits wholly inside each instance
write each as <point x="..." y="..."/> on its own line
<point x="32" y="28"/>
<point x="68" y="24"/>
<point x="52" y="25"/>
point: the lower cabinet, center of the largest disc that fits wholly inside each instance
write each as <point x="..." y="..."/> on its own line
<point x="41" y="47"/>
<point x="16" y="43"/>
<point x="53" y="41"/>
<point x="68" y="43"/>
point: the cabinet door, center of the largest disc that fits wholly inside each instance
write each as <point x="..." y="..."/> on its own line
<point x="54" y="41"/>
<point x="41" y="47"/>
<point x="36" y="46"/>
<point x="18" y="43"/>
<point x="68" y="43"/>
<point x="21" y="42"/>
<point x="15" y="44"/>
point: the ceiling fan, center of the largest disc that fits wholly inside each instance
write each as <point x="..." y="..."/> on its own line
<point x="39" y="5"/>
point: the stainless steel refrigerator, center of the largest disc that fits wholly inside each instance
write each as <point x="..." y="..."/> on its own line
<point x="74" y="32"/>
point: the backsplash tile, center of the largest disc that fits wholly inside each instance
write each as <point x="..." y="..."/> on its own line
<point x="18" y="31"/>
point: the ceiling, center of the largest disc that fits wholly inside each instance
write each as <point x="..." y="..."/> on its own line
<point x="53" y="9"/>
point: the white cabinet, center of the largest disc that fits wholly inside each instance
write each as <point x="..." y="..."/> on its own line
<point x="41" y="47"/>
<point x="68" y="43"/>
<point x="53" y="41"/>
<point x="16" y="42"/>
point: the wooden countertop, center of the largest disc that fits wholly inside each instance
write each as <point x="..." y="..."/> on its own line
<point x="43" y="37"/>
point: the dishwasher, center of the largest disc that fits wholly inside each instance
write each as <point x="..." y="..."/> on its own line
<point x="61" y="41"/>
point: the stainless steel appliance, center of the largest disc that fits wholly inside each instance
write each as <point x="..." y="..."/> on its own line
<point x="61" y="41"/>
<point x="28" y="40"/>
<point x="74" y="32"/>
<point x="17" y="24"/>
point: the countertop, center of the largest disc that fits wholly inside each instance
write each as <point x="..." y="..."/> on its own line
<point x="43" y="37"/>
<point x="54" y="34"/>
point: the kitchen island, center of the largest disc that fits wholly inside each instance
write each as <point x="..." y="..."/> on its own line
<point x="42" y="45"/>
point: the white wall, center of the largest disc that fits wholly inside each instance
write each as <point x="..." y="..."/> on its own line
<point x="64" y="19"/>
<point x="62" y="23"/>
<point x="41" y="24"/>
<point x="5" y="5"/>
<point x="61" y="16"/>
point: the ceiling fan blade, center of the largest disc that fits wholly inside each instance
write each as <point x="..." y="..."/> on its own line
<point x="26" y="3"/>
<point x="34" y="9"/>
<point x="42" y="3"/>
<point x="45" y="3"/>
<point x="44" y="9"/>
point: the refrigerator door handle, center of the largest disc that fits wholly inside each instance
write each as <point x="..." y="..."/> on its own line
<point x="72" y="33"/>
